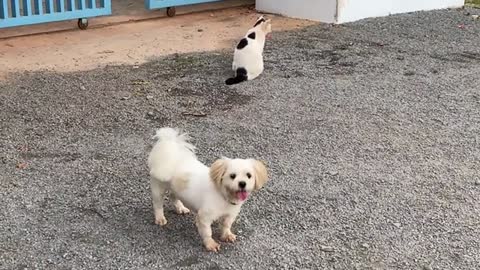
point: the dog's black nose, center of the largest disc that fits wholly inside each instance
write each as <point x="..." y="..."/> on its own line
<point x="242" y="184"/>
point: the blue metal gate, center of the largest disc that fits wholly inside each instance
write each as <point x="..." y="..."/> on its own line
<point x="171" y="4"/>
<point x="26" y="12"/>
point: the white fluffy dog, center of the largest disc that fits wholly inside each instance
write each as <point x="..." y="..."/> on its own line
<point x="213" y="193"/>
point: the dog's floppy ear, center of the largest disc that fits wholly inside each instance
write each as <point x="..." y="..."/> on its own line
<point x="217" y="170"/>
<point x="261" y="174"/>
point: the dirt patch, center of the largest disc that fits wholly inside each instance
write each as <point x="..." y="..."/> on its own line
<point x="132" y="43"/>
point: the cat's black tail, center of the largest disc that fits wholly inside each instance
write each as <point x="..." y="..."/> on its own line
<point x="241" y="77"/>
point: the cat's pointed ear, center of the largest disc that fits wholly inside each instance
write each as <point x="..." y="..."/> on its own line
<point x="260" y="20"/>
<point x="267" y="26"/>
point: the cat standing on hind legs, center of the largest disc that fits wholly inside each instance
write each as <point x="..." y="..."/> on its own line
<point x="248" y="56"/>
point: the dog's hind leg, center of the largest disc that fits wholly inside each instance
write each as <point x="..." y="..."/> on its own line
<point x="179" y="184"/>
<point x="158" y="196"/>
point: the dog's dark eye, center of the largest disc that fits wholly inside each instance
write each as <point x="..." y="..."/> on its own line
<point x="249" y="175"/>
<point x="233" y="176"/>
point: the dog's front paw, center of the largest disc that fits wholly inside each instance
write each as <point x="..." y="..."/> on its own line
<point x="229" y="237"/>
<point x="211" y="245"/>
<point x="162" y="221"/>
<point x="182" y="210"/>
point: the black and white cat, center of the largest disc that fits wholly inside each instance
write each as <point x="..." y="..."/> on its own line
<point x="248" y="56"/>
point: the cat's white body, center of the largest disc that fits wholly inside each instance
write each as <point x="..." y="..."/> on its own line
<point x="248" y="55"/>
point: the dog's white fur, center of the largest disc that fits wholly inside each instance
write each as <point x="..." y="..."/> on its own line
<point x="213" y="193"/>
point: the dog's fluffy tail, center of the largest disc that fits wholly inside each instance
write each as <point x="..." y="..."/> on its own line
<point x="170" y="150"/>
<point x="167" y="134"/>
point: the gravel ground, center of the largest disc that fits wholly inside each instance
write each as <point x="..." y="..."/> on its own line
<point x="370" y="130"/>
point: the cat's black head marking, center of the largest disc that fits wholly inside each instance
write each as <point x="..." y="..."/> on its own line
<point x="242" y="44"/>
<point x="252" y="35"/>
<point x="259" y="22"/>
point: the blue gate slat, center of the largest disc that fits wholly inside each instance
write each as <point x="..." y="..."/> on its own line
<point x="27" y="10"/>
<point x="49" y="4"/>
<point x="4" y="9"/>
<point x="53" y="17"/>
<point x="107" y="4"/>
<point x="15" y="8"/>
<point x="60" y="6"/>
<point x="13" y="15"/>
<point x="38" y="5"/>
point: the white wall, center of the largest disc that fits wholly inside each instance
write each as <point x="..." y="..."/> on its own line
<point x="341" y="11"/>
<point x="317" y="10"/>
<point x="352" y="10"/>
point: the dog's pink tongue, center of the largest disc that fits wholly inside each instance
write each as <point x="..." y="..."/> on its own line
<point x="242" y="195"/>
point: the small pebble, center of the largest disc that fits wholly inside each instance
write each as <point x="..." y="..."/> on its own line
<point x="427" y="267"/>
<point x="326" y="248"/>
<point x="365" y="245"/>
<point x="477" y="183"/>
<point x="150" y="113"/>
<point x="126" y="98"/>
<point x="397" y="224"/>
<point x="149" y="97"/>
